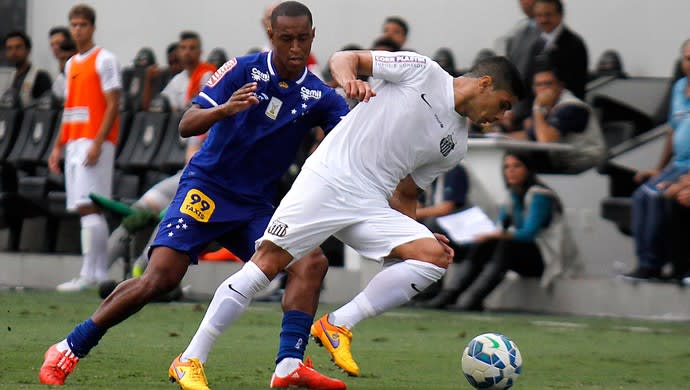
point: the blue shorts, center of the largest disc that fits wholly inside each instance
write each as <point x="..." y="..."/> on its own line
<point x="200" y="214"/>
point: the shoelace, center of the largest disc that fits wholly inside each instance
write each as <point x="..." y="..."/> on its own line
<point x="197" y="372"/>
<point x="67" y="362"/>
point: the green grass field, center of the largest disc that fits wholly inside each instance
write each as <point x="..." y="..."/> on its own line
<point x="404" y="349"/>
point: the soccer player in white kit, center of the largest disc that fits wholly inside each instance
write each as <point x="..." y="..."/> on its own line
<point x="361" y="184"/>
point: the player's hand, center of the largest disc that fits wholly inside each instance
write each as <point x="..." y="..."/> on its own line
<point x="683" y="197"/>
<point x="93" y="154"/>
<point x="358" y="89"/>
<point x="241" y="99"/>
<point x="445" y="243"/>
<point x="54" y="160"/>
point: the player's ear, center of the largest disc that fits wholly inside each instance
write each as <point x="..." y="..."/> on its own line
<point x="486" y="82"/>
<point x="269" y="30"/>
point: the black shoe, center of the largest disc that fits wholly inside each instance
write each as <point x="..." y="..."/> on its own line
<point x="642" y="274"/>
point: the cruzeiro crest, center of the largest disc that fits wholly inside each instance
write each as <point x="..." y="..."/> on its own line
<point x="447" y="145"/>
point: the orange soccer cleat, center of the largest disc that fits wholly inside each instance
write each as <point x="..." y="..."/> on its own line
<point x="337" y="341"/>
<point x="56" y="366"/>
<point x="305" y="376"/>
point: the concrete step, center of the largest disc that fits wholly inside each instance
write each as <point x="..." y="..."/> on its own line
<point x="583" y="296"/>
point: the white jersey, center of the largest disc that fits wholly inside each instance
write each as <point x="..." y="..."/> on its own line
<point x="176" y="90"/>
<point x="409" y="128"/>
<point x="106" y="65"/>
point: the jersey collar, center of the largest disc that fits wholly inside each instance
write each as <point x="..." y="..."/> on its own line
<point x="283" y="83"/>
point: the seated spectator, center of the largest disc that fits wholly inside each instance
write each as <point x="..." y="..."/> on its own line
<point x="66" y="50"/>
<point x="532" y="240"/>
<point x="396" y="29"/>
<point x="609" y="65"/>
<point x="134" y="78"/>
<point x="217" y="57"/>
<point x="649" y="222"/>
<point x="185" y="85"/>
<point x="445" y="58"/>
<point x="559" y="116"/>
<point x="28" y="82"/>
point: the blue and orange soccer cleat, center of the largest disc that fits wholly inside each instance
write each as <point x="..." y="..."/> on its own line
<point x="56" y="366"/>
<point x="336" y="340"/>
<point x="189" y="375"/>
<point x="305" y="376"/>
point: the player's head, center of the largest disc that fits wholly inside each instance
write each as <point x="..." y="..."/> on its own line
<point x="548" y="14"/>
<point x="497" y="87"/>
<point x="82" y="24"/>
<point x="396" y="28"/>
<point x="17" y="48"/>
<point x="291" y="35"/>
<point x="189" y="49"/>
<point x="546" y="77"/>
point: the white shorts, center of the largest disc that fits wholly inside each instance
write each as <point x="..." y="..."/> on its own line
<point x="313" y="210"/>
<point x="80" y="180"/>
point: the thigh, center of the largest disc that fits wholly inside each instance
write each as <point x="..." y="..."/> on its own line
<point x="310" y="212"/>
<point x="242" y="240"/>
<point x="97" y="178"/>
<point x="523" y="257"/>
<point x="381" y="230"/>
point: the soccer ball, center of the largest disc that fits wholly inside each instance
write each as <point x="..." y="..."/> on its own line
<point x="491" y="361"/>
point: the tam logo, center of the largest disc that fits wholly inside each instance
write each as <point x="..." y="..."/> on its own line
<point x="310" y="93"/>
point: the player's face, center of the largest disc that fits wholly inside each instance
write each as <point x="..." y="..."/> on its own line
<point x="490" y="104"/>
<point x="16" y="51"/>
<point x="189" y="52"/>
<point x="291" y="37"/>
<point x="547" y="17"/>
<point x="514" y="171"/>
<point x="81" y="30"/>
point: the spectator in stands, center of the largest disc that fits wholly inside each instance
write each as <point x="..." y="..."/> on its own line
<point x="648" y="209"/>
<point x="519" y="46"/>
<point x="156" y="77"/>
<point x="609" y="65"/>
<point x="565" y="49"/>
<point x="185" y="85"/>
<point x="217" y="57"/>
<point x="66" y="50"/>
<point x="28" y="81"/>
<point x="444" y="57"/>
<point x="385" y="44"/>
<point x="533" y="239"/>
<point x="57" y="35"/>
<point x="559" y="116"/>
<point x="396" y="29"/>
<point x="89" y="133"/>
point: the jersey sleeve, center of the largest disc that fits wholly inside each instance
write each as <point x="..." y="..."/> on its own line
<point x="400" y="67"/>
<point x="221" y="85"/>
<point x="334" y="108"/>
<point x="109" y="71"/>
<point x="423" y="176"/>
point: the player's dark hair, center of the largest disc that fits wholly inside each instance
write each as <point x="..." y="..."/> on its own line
<point x="291" y="8"/>
<point x="60" y="30"/>
<point x="82" y="11"/>
<point x="505" y="75"/>
<point x="557" y="3"/>
<point x="18" y="34"/>
<point x="68" y="45"/>
<point x="399" y="21"/>
<point x="171" y="48"/>
<point x="189" y="35"/>
<point x="386" y="42"/>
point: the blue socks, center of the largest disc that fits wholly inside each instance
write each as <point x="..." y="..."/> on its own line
<point x="294" y="335"/>
<point x="84" y="337"/>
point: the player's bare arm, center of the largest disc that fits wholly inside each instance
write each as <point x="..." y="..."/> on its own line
<point x="112" y="107"/>
<point x="404" y="198"/>
<point x="346" y="66"/>
<point x="197" y="120"/>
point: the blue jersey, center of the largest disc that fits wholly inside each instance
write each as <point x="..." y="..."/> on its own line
<point x="246" y="154"/>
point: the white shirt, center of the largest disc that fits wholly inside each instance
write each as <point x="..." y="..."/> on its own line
<point x="176" y="90"/>
<point x="106" y="65"/>
<point x="409" y="128"/>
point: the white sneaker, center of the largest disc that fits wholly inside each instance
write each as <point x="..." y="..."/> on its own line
<point x="77" y="284"/>
<point x="686" y="281"/>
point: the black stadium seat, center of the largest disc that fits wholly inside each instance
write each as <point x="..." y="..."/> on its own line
<point x="171" y="155"/>
<point x="11" y="116"/>
<point x="145" y="137"/>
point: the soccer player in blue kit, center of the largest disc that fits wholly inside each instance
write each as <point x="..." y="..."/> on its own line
<point x="259" y="109"/>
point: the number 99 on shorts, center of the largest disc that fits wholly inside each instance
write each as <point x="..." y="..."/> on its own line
<point x="198" y="206"/>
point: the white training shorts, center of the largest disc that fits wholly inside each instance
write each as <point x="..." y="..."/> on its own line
<point x="80" y="180"/>
<point x="313" y="210"/>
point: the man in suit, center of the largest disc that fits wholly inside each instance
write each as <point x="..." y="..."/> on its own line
<point x="565" y="49"/>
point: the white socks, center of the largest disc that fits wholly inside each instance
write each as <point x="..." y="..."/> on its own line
<point x="230" y="300"/>
<point x="392" y="287"/>
<point x="94" y="247"/>
<point x="287" y="366"/>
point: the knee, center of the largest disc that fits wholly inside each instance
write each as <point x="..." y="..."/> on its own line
<point x="426" y="250"/>
<point x="157" y="282"/>
<point x="312" y="266"/>
<point x="271" y="259"/>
